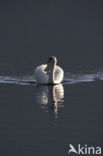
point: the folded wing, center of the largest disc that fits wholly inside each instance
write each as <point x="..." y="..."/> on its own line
<point x="41" y="74"/>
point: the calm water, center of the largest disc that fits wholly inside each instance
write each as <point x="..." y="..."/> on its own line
<point x="40" y="120"/>
<point x="43" y="120"/>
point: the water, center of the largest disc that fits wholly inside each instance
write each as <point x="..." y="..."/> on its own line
<point x="69" y="78"/>
<point x="42" y="120"/>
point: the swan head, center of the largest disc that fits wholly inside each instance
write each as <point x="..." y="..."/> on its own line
<point x="52" y="59"/>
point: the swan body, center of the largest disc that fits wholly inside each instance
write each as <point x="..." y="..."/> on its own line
<point x="49" y="73"/>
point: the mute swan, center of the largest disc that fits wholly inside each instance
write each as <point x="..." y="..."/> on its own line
<point x="49" y="73"/>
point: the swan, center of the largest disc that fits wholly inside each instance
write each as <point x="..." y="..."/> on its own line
<point x="49" y="73"/>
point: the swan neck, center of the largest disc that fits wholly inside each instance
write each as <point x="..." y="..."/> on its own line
<point x="51" y="72"/>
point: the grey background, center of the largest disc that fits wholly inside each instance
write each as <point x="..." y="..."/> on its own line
<point x="31" y="31"/>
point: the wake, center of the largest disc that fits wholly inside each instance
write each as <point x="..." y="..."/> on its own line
<point x="69" y="78"/>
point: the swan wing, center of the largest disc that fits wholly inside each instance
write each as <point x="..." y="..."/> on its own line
<point x="59" y="73"/>
<point x="41" y="74"/>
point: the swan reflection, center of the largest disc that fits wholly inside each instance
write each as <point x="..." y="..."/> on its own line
<point x="50" y="97"/>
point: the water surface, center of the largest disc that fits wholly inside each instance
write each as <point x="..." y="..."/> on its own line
<point x="43" y="120"/>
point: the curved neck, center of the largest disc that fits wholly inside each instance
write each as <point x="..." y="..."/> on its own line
<point x="51" y="70"/>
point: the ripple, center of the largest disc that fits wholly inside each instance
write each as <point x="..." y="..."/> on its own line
<point x="82" y="77"/>
<point x="25" y="80"/>
<point x="69" y="78"/>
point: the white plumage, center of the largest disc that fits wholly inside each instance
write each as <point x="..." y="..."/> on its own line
<point x="43" y="76"/>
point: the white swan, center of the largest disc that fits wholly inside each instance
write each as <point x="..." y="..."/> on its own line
<point x="49" y="73"/>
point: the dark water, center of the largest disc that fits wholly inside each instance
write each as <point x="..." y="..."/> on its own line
<point x="41" y="120"/>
